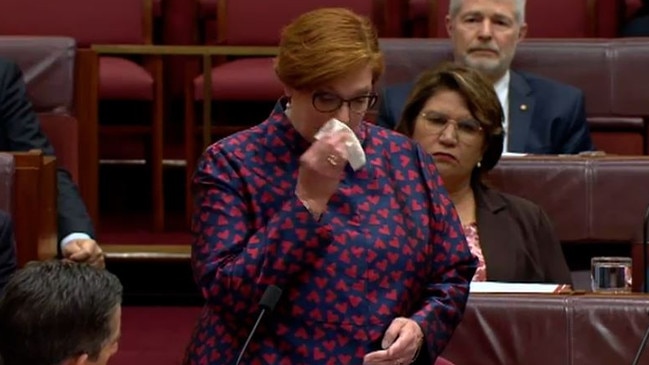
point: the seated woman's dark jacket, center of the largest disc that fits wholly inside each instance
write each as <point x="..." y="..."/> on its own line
<point x="518" y="240"/>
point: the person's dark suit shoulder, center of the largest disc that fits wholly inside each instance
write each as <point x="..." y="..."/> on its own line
<point x="5" y="63"/>
<point x="520" y="224"/>
<point x="551" y="88"/>
<point x="558" y="124"/>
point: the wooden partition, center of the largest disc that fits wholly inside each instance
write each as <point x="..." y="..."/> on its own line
<point x="35" y="206"/>
<point x="86" y="86"/>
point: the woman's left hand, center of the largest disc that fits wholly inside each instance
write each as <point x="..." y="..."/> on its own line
<point x="400" y="344"/>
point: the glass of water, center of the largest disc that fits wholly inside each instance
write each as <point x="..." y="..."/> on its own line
<point x="610" y="274"/>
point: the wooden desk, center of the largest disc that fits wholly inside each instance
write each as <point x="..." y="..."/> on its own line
<point x="147" y="252"/>
<point x="35" y="206"/>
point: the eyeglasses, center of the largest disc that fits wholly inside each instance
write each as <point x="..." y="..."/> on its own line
<point x="437" y="123"/>
<point x="325" y="102"/>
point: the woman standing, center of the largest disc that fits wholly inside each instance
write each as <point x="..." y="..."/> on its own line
<point x="372" y="263"/>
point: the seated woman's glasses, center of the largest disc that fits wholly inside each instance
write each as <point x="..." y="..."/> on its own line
<point x="437" y="123"/>
<point x="325" y="102"/>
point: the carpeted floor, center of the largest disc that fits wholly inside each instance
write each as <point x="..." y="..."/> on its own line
<point x="155" y="335"/>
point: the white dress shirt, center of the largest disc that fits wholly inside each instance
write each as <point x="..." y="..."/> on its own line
<point x="72" y="237"/>
<point x="502" y="90"/>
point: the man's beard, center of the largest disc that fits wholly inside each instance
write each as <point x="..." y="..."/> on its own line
<point x="487" y="66"/>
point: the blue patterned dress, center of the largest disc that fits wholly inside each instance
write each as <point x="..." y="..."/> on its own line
<point x="390" y="244"/>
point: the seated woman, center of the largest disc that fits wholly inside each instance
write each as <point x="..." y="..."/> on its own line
<point x="455" y="115"/>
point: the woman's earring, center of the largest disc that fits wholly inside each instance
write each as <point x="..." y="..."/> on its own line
<point x="479" y="164"/>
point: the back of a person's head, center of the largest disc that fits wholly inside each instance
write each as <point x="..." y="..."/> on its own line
<point x="54" y="311"/>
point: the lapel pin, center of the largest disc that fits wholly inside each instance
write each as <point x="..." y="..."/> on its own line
<point x="523" y="107"/>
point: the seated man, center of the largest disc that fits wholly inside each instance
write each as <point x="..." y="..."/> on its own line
<point x="60" y="313"/>
<point x="20" y="131"/>
<point x="7" y="250"/>
<point x="541" y="116"/>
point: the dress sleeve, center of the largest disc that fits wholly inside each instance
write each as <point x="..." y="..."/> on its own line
<point x="234" y="256"/>
<point x="451" y="269"/>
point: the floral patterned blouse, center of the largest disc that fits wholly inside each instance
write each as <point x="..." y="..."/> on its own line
<point x="472" y="237"/>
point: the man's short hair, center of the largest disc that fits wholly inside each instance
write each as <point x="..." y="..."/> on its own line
<point x="519" y="9"/>
<point x="52" y="311"/>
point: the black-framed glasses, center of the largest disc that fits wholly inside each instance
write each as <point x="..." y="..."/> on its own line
<point x="325" y="102"/>
<point x="438" y="122"/>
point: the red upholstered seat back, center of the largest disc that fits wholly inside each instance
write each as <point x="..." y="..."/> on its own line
<point x="551" y="18"/>
<point x="255" y="22"/>
<point x="88" y="22"/>
<point x="47" y="64"/>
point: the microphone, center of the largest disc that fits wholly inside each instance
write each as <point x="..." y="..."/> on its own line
<point x="643" y="343"/>
<point x="645" y="285"/>
<point x="645" y="223"/>
<point x="267" y="303"/>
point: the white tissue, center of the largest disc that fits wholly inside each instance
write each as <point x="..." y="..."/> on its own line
<point x="354" y="148"/>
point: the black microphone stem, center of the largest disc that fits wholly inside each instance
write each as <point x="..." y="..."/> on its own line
<point x="642" y="346"/>
<point x="254" y="329"/>
<point x="267" y="303"/>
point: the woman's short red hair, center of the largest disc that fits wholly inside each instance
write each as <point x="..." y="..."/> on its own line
<point x="325" y="44"/>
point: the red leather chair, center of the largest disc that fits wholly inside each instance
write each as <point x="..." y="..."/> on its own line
<point x="252" y="23"/>
<point x="48" y="64"/>
<point x="257" y="23"/>
<point x="570" y="19"/>
<point x="207" y="15"/>
<point x="120" y="79"/>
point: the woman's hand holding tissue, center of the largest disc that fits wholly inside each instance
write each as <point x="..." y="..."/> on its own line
<point x="320" y="172"/>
